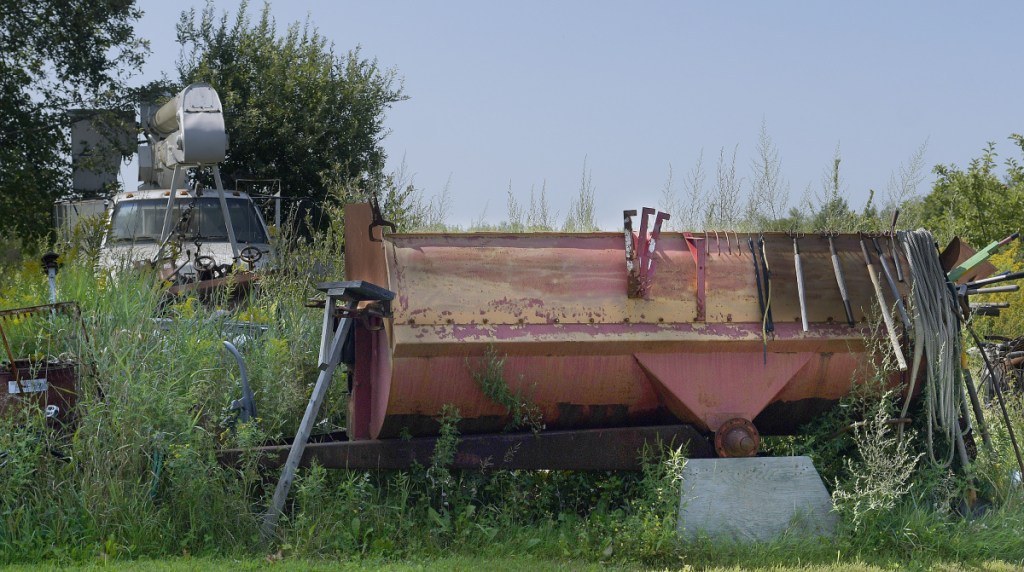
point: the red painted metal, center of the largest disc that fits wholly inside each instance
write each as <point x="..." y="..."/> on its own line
<point x="39" y="385"/>
<point x="556" y="308"/>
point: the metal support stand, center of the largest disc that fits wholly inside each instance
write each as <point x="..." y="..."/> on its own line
<point x="335" y="332"/>
<point x="227" y="215"/>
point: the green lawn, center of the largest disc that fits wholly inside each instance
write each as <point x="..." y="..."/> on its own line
<point x="467" y="563"/>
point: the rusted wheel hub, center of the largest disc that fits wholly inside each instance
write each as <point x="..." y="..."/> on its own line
<point x="737" y="438"/>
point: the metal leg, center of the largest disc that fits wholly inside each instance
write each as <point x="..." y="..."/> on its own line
<point x="323" y="383"/>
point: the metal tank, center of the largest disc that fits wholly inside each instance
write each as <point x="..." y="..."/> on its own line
<point x="598" y="330"/>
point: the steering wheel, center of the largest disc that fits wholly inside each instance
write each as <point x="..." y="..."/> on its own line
<point x="204" y="263"/>
<point x="250" y="255"/>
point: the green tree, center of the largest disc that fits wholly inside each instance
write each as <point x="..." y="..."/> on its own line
<point x="294" y="110"/>
<point x="977" y="205"/>
<point x="56" y="55"/>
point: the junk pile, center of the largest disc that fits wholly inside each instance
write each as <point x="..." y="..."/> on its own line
<point x="46" y="379"/>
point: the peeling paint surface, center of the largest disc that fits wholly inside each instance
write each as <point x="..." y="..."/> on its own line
<point x="556" y="307"/>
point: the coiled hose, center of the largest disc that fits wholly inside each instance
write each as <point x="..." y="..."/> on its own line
<point x="936" y="319"/>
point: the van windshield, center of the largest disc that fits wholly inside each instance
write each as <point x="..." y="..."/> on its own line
<point x="142" y="220"/>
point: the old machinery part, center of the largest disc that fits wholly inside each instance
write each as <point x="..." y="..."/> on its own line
<point x="737" y="437"/>
<point x="204" y="263"/>
<point x="378" y="220"/>
<point x="50" y="266"/>
<point x="333" y="339"/>
<point x="979" y="257"/>
<point x="556" y="310"/>
<point x="250" y="255"/>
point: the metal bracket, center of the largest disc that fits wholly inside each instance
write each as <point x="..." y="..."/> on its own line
<point x="640" y="261"/>
<point x="378" y="220"/>
<point x="700" y="261"/>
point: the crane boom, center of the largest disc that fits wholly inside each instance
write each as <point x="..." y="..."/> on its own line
<point x="186" y="131"/>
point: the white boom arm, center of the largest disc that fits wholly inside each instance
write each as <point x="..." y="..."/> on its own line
<point x="187" y="131"/>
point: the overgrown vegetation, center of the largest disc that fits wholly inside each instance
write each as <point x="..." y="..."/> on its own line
<point x="139" y="477"/>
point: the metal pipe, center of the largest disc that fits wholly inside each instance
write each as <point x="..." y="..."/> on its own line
<point x="893" y="251"/>
<point x="841" y="280"/>
<point x="994" y="289"/>
<point x="904" y="316"/>
<point x="800" y="284"/>
<point x="886" y="316"/>
<point x="247" y="404"/>
<point x="995" y="279"/>
<point x="50" y="264"/>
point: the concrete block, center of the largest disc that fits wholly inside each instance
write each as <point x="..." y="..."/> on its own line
<point x="754" y="499"/>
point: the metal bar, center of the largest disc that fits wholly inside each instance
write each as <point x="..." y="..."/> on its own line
<point x="800" y="284"/>
<point x="227" y="215"/>
<point x="277" y="208"/>
<point x="886" y="316"/>
<point x="642" y="246"/>
<point x="995" y="279"/>
<point x="326" y="331"/>
<point x="893" y="249"/>
<point x="652" y="245"/>
<point x="994" y="289"/>
<point x="627" y="226"/>
<point x="904" y="316"/>
<point x="10" y="356"/>
<point x="165" y="231"/>
<point x="579" y="450"/>
<point x="837" y="266"/>
<point x="974" y="305"/>
<point x="979" y="415"/>
<point x="246" y="405"/>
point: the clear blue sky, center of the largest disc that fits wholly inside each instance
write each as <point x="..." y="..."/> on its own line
<point x="522" y="92"/>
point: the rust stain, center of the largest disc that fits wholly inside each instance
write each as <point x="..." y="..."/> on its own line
<point x="558" y="306"/>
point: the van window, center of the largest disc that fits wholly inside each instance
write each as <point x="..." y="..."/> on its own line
<point x="142" y="220"/>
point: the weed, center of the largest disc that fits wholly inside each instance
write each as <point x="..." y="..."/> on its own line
<point x="881" y="474"/>
<point x="490" y="377"/>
